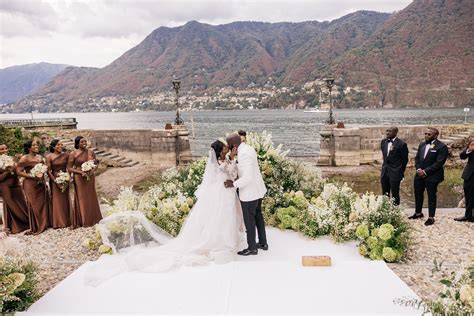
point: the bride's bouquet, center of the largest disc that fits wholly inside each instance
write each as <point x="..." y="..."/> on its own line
<point x="39" y="171"/>
<point x="88" y="167"/>
<point x="6" y="162"/>
<point x="62" y="180"/>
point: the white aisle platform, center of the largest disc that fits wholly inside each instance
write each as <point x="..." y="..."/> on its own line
<point x="274" y="282"/>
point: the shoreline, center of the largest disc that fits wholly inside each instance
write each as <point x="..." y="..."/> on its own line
<point x="253" y="109"/>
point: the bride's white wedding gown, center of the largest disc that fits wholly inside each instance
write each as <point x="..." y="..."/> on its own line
<point x="212" y="231"/>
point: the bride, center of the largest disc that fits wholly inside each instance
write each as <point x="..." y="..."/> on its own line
<point x="212" y="231"/>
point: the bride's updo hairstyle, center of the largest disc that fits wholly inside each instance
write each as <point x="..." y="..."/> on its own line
<point x="218" y="146"/>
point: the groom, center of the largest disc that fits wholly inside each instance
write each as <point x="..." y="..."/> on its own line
<point x="251" y="191"/>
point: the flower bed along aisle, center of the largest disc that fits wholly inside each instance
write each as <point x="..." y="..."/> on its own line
<point x="297" y="198"/>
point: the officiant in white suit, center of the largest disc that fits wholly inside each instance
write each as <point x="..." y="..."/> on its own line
<point x="251" y="190"/>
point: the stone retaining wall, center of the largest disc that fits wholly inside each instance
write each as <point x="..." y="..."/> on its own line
<point x="157" y="147"/>
<point x="359" y="145"/>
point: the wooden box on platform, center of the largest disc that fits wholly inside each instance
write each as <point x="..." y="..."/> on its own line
<point x="316" y="261"/>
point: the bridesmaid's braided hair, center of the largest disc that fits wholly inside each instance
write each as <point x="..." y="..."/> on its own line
<point x="218" y="146"/>
<point x="52" y="145"/>
<point x="77" y="140"/>
<point x="27" y="146"/>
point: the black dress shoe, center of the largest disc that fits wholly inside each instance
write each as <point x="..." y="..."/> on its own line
<point x="248" y="252"/>
<point x="429" y="221"/>
<point x="262" y="246"/>
<point x="416" y="215"/>
<point x="464" y="219"/>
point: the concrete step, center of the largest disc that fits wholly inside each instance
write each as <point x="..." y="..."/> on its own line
<point x="131" y="164"/>
<point x="104" y="155"/>
<point x="453" y="138"/>
<point x="462" y="134"/>
<point x="124" y="162"/>
<point x="446" y="141"/>
<point x="119" y="159"/>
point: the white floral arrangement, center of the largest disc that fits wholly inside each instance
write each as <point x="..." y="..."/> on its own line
<point x="62" y="180"/>
<point x="6" y="162"/>
<point x="39" y="171"/>
<point x="263" y="144"/>
<point x="88" y="167"/>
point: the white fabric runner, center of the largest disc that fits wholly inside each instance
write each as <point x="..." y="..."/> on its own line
<point x="274" y="282"/>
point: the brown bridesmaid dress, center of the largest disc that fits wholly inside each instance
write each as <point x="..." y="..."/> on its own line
<point x="86" y="205"/>
<point x="60" y="202"/>
<point x="15" y="212"/>
<point x="37" y="199"/>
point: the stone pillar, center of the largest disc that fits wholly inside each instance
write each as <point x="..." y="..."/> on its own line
<point x="346" y="146"/>
<point x="326" y="147"/>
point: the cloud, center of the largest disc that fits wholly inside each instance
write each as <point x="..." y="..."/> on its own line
<point x="111" y="24"/>
<point x="25" y="17"/>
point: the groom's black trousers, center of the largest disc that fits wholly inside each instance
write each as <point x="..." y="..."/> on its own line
<point x="252" y="211"/>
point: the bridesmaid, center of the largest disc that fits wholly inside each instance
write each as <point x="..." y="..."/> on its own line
<point x="36" y="194"/>
<point x="60" y="202"/>
<point x="86" y="205"/>
<point x="15" y="212"/>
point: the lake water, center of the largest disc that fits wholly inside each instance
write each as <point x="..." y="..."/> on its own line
<point x="296" y="130"/>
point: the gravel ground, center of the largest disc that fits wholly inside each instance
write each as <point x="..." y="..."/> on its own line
<point x="446" y="241"/>
<point x="110" y="181"/>
<point x="57" y="252"/>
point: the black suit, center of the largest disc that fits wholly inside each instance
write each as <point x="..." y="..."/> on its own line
<point x="468" y="176"/>
<point x="433" y="165"/>
<point x="393" y="167"/>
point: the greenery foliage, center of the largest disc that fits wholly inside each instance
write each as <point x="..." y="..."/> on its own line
<point x="13" y="138"/>
<point x="17" y="284"/>
<point x="456" y="297"/>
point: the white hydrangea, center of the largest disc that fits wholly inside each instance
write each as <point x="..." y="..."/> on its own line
<point x="330" y="190"/>
<point x="127" y="200"/>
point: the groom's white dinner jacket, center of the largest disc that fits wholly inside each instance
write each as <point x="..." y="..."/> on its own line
<point x="250" y="182"/>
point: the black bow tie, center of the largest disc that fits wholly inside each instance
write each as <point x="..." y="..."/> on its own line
<point x="390" y="140"/>
<point x="428" y="142"/>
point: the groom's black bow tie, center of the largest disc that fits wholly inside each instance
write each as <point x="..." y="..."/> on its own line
<point x="390" y="140"/>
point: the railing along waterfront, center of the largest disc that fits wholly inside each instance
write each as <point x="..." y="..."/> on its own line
<point x="63" y="123"/>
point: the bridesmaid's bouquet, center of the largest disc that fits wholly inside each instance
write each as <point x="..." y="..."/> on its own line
<point x="62" y="180"/>
<point x="39" y="171"/>
<point x="88" y="167"/>
<point x="6" y="162"/>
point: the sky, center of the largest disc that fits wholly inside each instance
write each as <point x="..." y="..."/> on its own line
<point x="93" y="33"/>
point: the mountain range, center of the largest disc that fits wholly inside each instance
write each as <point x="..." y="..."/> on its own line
<point x="19" y="81"/>
<point x="422" y="55"/>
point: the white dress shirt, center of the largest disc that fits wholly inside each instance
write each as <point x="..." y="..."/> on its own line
<point x="390" y="145"/>
<point x="427" y="148"/>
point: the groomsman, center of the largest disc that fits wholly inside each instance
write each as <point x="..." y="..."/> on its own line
<point x="429" y="162"/>
<point x="468" y="176"/>
<point x="395" y="159"/>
